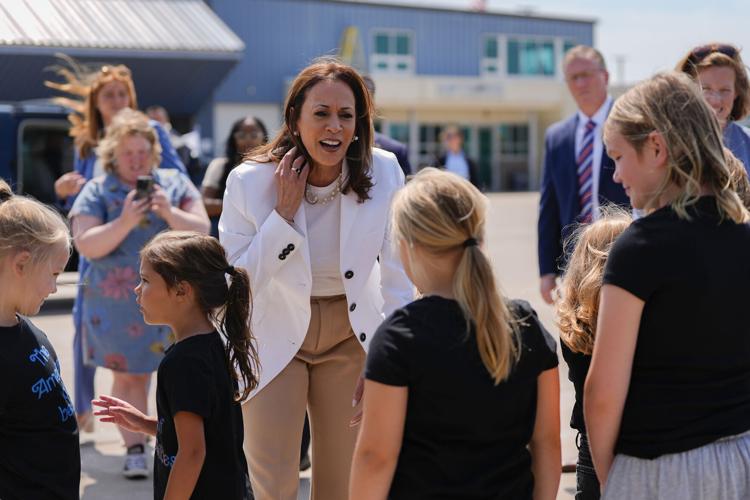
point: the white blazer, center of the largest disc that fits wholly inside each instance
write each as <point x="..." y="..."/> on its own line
<point x="277" y="258"/>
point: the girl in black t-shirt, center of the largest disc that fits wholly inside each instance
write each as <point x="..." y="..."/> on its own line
<point x="577" y="311"/>
<point x="198" y="426"/>
<point x="39" y="451"/>
<point x="461" y="393"/>
<point x="667" y="405"/>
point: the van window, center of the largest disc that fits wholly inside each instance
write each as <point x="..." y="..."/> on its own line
<point x="45" y="152"/>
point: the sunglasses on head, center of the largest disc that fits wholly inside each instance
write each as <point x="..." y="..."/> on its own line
<point x="700" y="53"/>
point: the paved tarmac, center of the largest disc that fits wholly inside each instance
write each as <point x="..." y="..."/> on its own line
<point x="511" y="241"/>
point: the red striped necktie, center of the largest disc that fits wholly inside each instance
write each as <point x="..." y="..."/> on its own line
<point x="585" y="162"/>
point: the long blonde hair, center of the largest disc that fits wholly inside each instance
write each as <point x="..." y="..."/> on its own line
<point x="578" y="308"/>
<point x="442" y="213"/>
<point x="27" y="225"/>
<point x="672" y="105"/>
<point x="83" y="84"/>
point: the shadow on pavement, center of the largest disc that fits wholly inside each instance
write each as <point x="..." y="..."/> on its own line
<point x="102" y="475"/>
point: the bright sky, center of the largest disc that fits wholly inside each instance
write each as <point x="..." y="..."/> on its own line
<point x="651" y="35"/>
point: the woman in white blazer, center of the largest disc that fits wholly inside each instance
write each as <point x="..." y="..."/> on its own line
<point x="307" y="217"/>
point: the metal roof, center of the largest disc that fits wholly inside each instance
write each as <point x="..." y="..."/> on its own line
<point x="131" y="25"/>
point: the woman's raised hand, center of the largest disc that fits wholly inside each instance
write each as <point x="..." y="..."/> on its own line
<point x="291" y="178"/>
<point x="133" y="210"/>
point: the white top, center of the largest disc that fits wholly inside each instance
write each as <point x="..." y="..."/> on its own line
<point x="456" y="163"/>
<point x="599" y="117"/>
<point x="214" y="173"/>
<point x="276" y="255"/>
<point x="323" y="236"/>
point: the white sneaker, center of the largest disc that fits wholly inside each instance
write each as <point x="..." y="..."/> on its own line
<point x="136" y="465"/>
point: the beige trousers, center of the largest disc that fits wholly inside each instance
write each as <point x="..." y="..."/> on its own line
<point x="321" y="378"/>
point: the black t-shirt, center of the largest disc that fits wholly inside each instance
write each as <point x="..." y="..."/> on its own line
<point x="690" y="383"/>
<point x="194" y="377"/>
<point x="578" y="368"/>
<point x="39" y="453"/>
<point x="464" y="436"/>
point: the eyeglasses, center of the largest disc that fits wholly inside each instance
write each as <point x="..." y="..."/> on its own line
<point x="700" y="53"/>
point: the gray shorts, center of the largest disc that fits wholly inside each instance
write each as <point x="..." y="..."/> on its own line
<point x="716" y="471"/>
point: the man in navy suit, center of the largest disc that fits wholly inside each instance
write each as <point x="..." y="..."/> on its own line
<point x="382" y="141"/>
<point x="577" y="178"/>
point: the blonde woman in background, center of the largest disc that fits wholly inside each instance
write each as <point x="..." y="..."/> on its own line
<point x="110" y="226"/>
<point x="96" y="97"/>
<point x="461" y="381"/>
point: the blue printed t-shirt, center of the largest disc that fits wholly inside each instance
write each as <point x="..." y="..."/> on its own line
<point x="39" y="452"/>
<point x="114" y="333"/>
<point x="194" y="377"/>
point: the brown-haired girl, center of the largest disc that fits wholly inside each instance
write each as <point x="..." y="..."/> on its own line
<point x="38" y="431"/>
<point x="202" y="378"/>
<point x="577" y="311"/>
<point x="461" y="381"/>
<point x="666" y="401"/>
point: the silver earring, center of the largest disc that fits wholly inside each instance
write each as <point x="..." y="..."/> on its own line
<point x="296" y="133"/>
<point x="355" y="139"/>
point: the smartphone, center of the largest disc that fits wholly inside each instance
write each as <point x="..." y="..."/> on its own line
<point x="144" y="187"/>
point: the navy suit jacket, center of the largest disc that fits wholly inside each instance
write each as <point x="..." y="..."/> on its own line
<point x="382" y="141"/>
<point x="559" y="207"/>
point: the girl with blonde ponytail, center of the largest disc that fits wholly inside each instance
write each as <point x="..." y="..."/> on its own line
<point x="461" y="380"/>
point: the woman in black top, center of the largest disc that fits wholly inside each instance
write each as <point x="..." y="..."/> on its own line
<point x="245" y="135"/>
<point x="667" y="399"/>
<point x="198" y="426"/>
<point x="461" y="392"/>
<point x="577" y="311"/>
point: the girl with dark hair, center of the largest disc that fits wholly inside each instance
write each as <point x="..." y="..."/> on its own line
<point x="246" y="134"/>
<point x="202" y="378"/>
<point x="307" y="216"/>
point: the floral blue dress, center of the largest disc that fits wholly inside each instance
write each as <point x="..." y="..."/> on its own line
<point x="114" y="334"/>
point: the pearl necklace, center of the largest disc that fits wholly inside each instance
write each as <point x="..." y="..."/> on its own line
<point x="313" y="199"/>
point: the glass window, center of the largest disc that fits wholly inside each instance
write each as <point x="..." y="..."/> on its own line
<point x="402" y="45"/>
<point x="567" y="45"/>
<point x="46" y="153"/>
<point x="400" y="132"/>
<point x="381" y="44"/>
<point x="490" y="47"/>
<point x="392" y="52"/>
<point x="531" y="57"/>
<point x="514" y="139"/>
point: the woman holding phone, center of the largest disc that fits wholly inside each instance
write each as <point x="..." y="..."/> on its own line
<point x="307" y="217"/>
<point x="97" y="95"/>
<point x="113" y="217"/>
